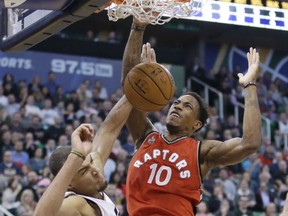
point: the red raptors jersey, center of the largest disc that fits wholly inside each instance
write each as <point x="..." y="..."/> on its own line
<point x="164" y="177"/>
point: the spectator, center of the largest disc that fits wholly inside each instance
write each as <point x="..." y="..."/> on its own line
<point x="263" y="197"/>
<point x="8" y="168"/>
<point x="51" y="83"/>
<point x="37" y="162"/>
<point x="105" y="109"/>
<point x="9" y="85"/>
<point x="268" y="155"/>
<point x="35" y="85"/>
<point x="228" y="184"/>
<point x="202" y="210"/>
<point x="12" y="106"/>
<point x="48" y="114"/>
<point x="59" y="95"/>
<point x="3" y="98"/>
<point x="30" y="144"/>
<point x="280" y="176"/>
<point x="27" y="203"/>
<point x="50" y="147"/>
<point x="129" y="145"/>
<point x="84" y="92"/>
<point x="57" y="129"/>
<point x="37" y="129"/>
<point x="74" y="99"/>
<point x="16" y="123"/>
<point x="9" y="195"/>
<point x="6" y="142"/>
<point x="161" y="124"/>
<point x="242" y="209"/>
<point x="270" y="210"/>
<point x="19" y="155"/>
<point x="283" y="129"/>
<point x="42" y="185"/>
<point x="274" y="167"/>
<point x="31" y="108"/>
<point x="103" y="94"/>
<point x="224" y="209"/>
<point x="63" y="141"/>
<point x="244" y="192"/>
<point x="216" y="198"/>
<point x="109" y="168"/>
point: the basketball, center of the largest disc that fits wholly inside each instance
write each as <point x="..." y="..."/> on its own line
<point x="149" y="87"/>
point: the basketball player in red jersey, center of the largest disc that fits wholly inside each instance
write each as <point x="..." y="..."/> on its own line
<point x="165" y="174"/>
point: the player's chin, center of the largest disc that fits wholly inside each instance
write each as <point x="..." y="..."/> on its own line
<point x="172" y="120"/>
<point x="102" y="185"/>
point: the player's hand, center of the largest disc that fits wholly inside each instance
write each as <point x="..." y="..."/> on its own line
<point x="82" y="138"/>
<point x="253" y="68"/>
<point x="148" y="54"/>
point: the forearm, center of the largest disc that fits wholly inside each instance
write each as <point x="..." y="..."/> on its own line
<point x="252" y="119"/>
<point x="52" y="199"/>
<point x="110" y="129"/>
<point x="132" y="52"/>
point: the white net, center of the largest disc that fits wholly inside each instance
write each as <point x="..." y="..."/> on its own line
<point x="155" y="12"/>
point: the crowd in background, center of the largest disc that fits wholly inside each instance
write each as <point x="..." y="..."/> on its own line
<point x="37" y="117"/>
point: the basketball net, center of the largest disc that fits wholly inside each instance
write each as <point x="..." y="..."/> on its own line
<point x="155" y="12"/>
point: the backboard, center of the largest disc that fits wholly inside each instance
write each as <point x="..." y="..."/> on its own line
<point x="25" y="23"/>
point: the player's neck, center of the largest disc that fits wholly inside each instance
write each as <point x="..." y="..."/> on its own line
<point x="172" y="136"/>
<point x="98" y="195"/>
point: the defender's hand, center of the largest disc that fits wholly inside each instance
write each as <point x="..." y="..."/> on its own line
<point x="253" y="66"/>
<point x="81" y="139"/>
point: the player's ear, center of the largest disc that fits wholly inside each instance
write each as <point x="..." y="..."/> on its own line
<point x="197" y="125"/>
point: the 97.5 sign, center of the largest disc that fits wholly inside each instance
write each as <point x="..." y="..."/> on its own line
<point x="81" y="68"/>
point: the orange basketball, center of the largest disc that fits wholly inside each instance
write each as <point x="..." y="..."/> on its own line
<point x="149" y="87"/>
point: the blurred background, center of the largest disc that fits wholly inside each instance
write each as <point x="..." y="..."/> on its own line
<point x="74" y="75"/>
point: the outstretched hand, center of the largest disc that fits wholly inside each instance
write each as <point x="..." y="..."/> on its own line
<point x="253" y="68"/>
<point x="148" y="54"/>
<point x="82" y="138"/>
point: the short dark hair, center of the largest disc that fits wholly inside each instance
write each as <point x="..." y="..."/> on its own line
<point x="203" y="108"/>
<point x="58" y="158"/>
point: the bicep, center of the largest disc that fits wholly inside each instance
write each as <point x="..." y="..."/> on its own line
<point x="230" y="152"/>
<point x="71" y="205"/>
<point x="68" y="211"/>
<point x="139" y="126"/>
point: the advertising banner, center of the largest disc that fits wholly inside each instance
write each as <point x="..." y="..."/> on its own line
<point x="70" y="70"/>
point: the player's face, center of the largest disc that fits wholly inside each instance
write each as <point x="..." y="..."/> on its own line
<point x="183" y="114"/>
<point x="89" y="179"/>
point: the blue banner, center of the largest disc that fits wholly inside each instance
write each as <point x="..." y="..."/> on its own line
<point x="70" y="70"/>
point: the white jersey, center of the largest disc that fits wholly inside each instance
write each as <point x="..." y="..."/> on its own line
<point x="106" y="206"/>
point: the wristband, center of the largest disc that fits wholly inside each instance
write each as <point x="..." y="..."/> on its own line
<point x="79" y="154"/>
<point x="249" y="84"/>
<point x="137" y="28"/>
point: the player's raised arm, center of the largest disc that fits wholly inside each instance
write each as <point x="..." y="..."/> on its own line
<point x="137" y="123"/>
<point x="110" y="129"/>
<point x="234" y="150"/>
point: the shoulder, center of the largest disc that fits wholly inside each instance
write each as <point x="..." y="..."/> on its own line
<point x="72" y="205"/>
<point x="77" y="205"/>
